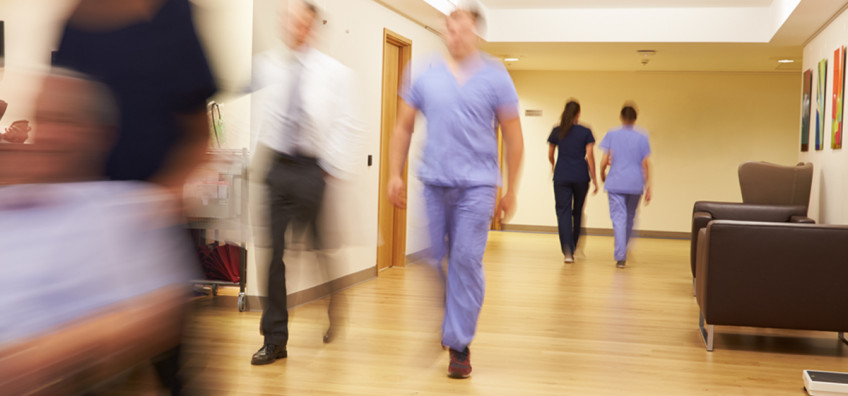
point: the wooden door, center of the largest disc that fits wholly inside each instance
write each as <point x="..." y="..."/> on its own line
<point x="391" y="243"/>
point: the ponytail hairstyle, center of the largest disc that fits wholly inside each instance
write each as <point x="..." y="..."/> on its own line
<point x="571" y="111"/>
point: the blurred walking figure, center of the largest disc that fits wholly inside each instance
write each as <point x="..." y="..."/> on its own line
<point x="463" y="97"/>
<point x="309" y="134"/>
<point x="100" y="268"/>
<point x="626" y="151"/>
<point x="148" y="53"/>
<point x="573" y="169"/>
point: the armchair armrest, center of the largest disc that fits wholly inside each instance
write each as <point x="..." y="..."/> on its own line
<point x="699" y="222"/>
<point x="801" y="220"/>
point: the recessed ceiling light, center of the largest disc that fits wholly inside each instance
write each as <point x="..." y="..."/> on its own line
<point x="510" y="59"/>
<point x="786" y="61"/>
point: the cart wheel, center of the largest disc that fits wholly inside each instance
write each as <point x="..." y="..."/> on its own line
<point x="214" y="290"/>
<point x="241" y="302"/>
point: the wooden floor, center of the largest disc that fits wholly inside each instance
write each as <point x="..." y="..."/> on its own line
<point x="547" y="328"/>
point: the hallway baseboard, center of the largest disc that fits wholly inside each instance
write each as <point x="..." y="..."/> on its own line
<point x="598" y="231"/>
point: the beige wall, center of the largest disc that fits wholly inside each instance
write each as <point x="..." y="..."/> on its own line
<point x="830" y="181"/>
<point x="702" y="126"/>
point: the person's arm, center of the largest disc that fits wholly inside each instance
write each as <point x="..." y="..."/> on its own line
<point x="605" y="159"/>
<point x="514" y="147"/>
<point x="551" y="150"/>
<point x="646" y="171"/>
<point x="343" y="139"/>
<point x="590" y="159"/>
<point x="188" y="154"/>
<point x="398" y="150"/>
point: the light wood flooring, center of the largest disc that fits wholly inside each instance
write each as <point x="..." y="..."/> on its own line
<point x="547" y="328"/>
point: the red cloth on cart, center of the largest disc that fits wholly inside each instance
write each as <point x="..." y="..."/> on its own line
<point x="220" y="262"/>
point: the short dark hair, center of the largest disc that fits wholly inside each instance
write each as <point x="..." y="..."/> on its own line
<point x="628" y="113"/>
<point x="473" y="9"/>
<point x="310" y="6"/>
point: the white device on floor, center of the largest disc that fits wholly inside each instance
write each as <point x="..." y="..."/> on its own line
<point x="825" y="383"/>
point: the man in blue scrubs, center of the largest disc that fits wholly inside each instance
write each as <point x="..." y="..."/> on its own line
<point x="464" y="97"/>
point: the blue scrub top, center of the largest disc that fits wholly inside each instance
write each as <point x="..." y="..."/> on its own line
<point x="571" y="165"/>
<point x="462" y="148"/>
<point x="627" y="148"/>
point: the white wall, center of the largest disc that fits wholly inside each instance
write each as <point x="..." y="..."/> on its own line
<point x="830" y="181"/>
<point x="702" y="126"/>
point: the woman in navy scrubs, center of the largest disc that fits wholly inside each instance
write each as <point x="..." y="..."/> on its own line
<point x="573" y="169"/>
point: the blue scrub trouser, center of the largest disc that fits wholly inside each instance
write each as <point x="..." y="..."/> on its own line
<point x="459" y="219"/>
<point x="622" y="211"/>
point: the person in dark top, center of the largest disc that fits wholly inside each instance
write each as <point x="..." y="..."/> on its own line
<point x="573" y="169"/>
<point x="148" y="53"/>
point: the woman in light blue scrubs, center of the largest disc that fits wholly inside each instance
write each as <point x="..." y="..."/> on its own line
<point x="626" y="152"/>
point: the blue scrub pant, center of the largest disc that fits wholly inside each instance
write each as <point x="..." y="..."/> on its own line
<point x="459" y="220"/>
<point x="622" y="211"/>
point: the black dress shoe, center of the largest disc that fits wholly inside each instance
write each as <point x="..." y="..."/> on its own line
<point x="329" y="336"/>
<point x="268" y="354"/>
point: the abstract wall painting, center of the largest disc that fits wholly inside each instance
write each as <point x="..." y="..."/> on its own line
<point x="806" y="102"/>
<point x="820" y="103"/>
<point x="838" y="96"/>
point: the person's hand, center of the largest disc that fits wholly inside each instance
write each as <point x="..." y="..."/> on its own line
<point x="647" y="196"/>
<point x="603" y="177"/>
<point x="506" y="208"/>
<point x="397" y="192"/>
<point x="595" y="189"/>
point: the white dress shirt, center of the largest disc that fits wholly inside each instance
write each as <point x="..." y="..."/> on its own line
<point x="330" y="129"/>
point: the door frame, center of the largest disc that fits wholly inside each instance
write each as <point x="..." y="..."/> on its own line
<point x="397" y="237"/>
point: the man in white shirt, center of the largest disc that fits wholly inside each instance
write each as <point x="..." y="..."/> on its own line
<point x="309" y="127"/>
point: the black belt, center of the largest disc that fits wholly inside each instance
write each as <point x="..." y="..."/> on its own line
<point x="294" y="159"/>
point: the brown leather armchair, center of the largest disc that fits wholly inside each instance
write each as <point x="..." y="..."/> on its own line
<point x="772" y="275"/>
<point x="765" y="183"/>
<point x="705" y="211"/>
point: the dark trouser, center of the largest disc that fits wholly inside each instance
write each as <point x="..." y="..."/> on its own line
<point x="570" y="198"/>
<point x="296" y="191"/>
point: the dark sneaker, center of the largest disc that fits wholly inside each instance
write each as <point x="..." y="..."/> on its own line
<point x="620" y="264"/>
<point x="460" y="363"/>
<point x="268" y="354"/>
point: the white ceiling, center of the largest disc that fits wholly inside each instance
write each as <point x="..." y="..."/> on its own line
<point x="684" y="57"/>
<point x="679" y="47"/>
<point x="516" y="4"/>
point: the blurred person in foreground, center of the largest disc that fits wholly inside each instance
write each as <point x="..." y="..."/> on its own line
<point x="463" y="97"/>
<point x="148" y="53"/>
<point x="309" y="135"/>
<point x="627" y="154"/>
<point x="99" y="271"/>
